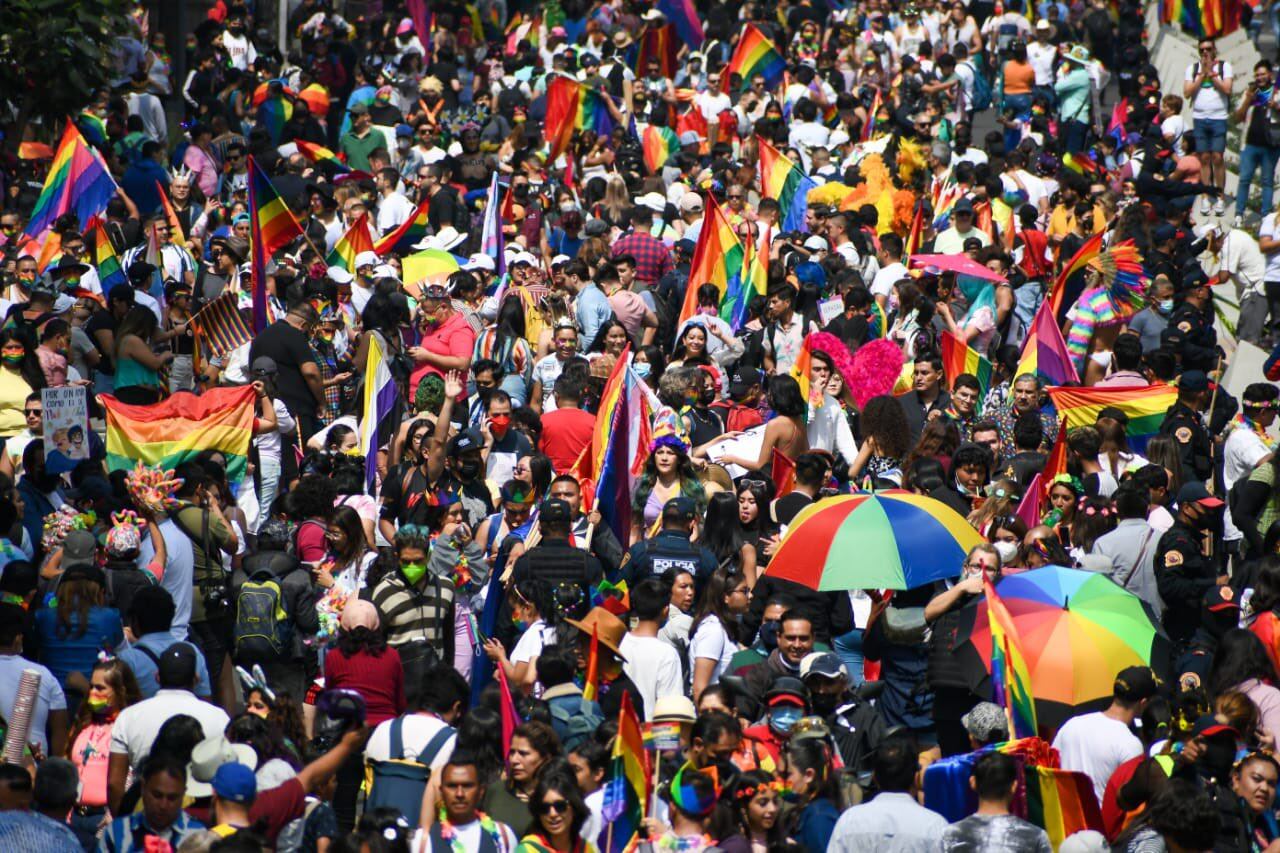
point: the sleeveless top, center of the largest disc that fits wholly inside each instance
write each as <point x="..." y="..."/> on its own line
<point x="130" y="372"/>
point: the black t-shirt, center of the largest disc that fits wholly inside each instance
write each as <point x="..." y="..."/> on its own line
<point x="852" y="330"/>
<point x="788" y="506"/>
<point x="1257" y="131"/>
<point x="102" y="320"/>
<point x="290" y="350"/>
<point x="446" y="73"/>
<point x="446" y="209"/>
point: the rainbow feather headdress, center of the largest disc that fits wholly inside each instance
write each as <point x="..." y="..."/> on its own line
<point x="669" y="431"/>
<point x="1120" y="290"/>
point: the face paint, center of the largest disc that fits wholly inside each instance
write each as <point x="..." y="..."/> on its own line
<point x="97" y="705"/>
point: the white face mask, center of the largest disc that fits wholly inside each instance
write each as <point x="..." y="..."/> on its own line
<point x="1006" y="550"/>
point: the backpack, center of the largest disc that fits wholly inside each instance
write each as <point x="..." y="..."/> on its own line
<point x="290" y="838"/>
<point x="981" y="89"/>
<point x="398" y="783"/>
<point x="573" y="728"/>
<point x="1006" y="34"/>
<point x="262" y="630"/>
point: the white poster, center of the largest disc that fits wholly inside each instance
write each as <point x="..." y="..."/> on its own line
<point x="66" y="426"/>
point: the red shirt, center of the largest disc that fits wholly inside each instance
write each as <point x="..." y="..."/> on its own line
<point x="565" y="432"/>
<point x="454" y="338"/>
<point x="378" y="678"/>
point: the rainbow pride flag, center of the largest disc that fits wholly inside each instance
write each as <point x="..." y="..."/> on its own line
<point x="718" y="259"/>
<point x="356" y="240"/>
<point x="1062" y="802"/>
<point x="1010" y="676"/>
<point x="619" y="444"/>
<point x="1044" y="352"/>
<point x="34" y="151"/>
<point x="626" y="783"/>
<point x="786" y="182"/>
<point x="572" y="106"/>
<point x="755" y="54"/>
<point x="170" y="216"/>
<point x="78" y="182"/>
<point x="684" y="17"/>
<point x="271" y="226"/>
<point x="958" y="357"/>
<point x="1087" y="252"/>
<point x="273" y="114"/>
<point x="800" y="371"/>
<point x="658" y="43"/>
<point x="110" y="273"/>
<point x="755" y="280"/>
<point x="1146" y="408"/>
<point x="170" y="432"/>
<point x="491" y="243"/>
<point x="591" y="684"/>
<point x="408" y="234"/>
<point x="659" y="144"/>
<point x="320" y="155"/>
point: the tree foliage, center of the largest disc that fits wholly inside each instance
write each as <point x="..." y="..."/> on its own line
<point x="53" y="54"/>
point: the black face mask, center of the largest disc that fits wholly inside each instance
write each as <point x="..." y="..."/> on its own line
<point x="468" y="469"/>
<point x="824" y="704"/>
<point x="707" y="397"/>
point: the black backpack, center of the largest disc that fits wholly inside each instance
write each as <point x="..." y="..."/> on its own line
<point x="398" y="783"/>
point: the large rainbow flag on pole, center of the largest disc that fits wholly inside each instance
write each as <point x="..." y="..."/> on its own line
<point x="718" y="259"/>
<point x="1146" y="408"/>
<point x="785" y="181"/>
<point x="1087" y="252"/>
<point x="626" y="783"/>
<point x="755" y="54"/>
<point x="1010" y="676"/>
<point x="1044" y="352"/>
<point x="407" y="234"/>
<point x="619" y="444"/>
<point x="958" y="357"/>
<point x="349" y="245"/>
<point x="684" y="17"/>
<point x="271" y="226"/>
<point x="177" y="429"/>
<point x="572" y="106"/>
<point x="78" y="182"/>
<point x="380" y="398"/>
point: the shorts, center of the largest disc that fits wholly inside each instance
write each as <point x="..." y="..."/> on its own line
<point x="1210" y="134"/>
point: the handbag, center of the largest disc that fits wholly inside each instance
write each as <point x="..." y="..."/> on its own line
<point x="904" y="625"/>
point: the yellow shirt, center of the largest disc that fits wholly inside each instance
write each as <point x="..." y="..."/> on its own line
<point x="1062" y="221"/>
<point x="14" y="391"/>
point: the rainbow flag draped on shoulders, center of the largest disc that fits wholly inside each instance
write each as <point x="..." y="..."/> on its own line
<point x="626" y="784"/>
<point x="1044" y="352"/>
<point x="1146" y="408"/>
<point x="407" y="234"/>
<point x="755" y="54"/>
<point x="170" y="432"/>
<point x="619" y="445"/>
<point x="349" y="245"/>
<point x="572" y="106"/>
<point x="271" y="227"/>
<point x="718" y="258"/>
<point x="1010" y="676"/>
<point x="958" y="357"/>
<point x="786" y="182"/>
<point x="78" y="182"/>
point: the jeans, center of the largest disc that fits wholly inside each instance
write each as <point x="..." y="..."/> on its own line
<point x="1021" y="106"/>
<point x="1272" y="290"/>
<point x="849" y="648"/>
<point x="1074" y="135"/>
<point x="1252" y="158"/>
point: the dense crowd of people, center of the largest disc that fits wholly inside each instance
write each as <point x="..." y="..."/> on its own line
<point x="289" y="655"/>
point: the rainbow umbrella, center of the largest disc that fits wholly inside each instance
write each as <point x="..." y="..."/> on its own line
<point x="430" y="266"/>
<point x="1077" y="630"/>
<point x="886" y="540"/>
<point x="317" y="99"/>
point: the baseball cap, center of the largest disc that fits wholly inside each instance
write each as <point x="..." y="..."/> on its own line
<point x="209" y="756"/>
<point x="962" y="206"/>
<point x="264" y="365"/>
<point x="814" y="243"/>
<point x="367" y="259"/>
<point x="654" y="201"/>
<point x="1208" y="726"/>
<point x="787" y="690"/>
<point x="480" y="261"/>
<point x="466" y="440"/>
<point x="1217" y="598"/>
<point x="986" y="722"/>
<point x="1134" y="683"/>
<point x="560" y="260"/>
<point x="690" y="137"/>
<point x="555" y="509"/>
<point x="177" y="665"/>
<point x="236" y="783"/>
<point x="1195" y="493"/>
<point x="690" y="202"/>
<point x="140" y="271"/>
<point x="338" y="275"/>
<point x="1164" y="233"/>
<point x="78" y="549"/>
<point x="358" y="109"/>
<point x="524" y="258"/>
<point x="1042" y="24"/>
<point x="824" y="665"/>
<point x="679" y="509"/>
<point x="743" y="379"/>
<point x="1194" y="380"/>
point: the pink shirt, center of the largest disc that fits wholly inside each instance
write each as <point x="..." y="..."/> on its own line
<point x="454" y="337"/>
<point x="54" y="365"/>
<point x="90" y="754"/>
<point x="629" y="308"/>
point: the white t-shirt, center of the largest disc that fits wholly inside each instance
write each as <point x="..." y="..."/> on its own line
<point x="416" y="732"/>
<point x="1209" y="102"/>
<point x="1241" y="453"/>
<point x="532" y="641"/>
<point x="137" y="726"/>
<point x="711" y="641"/>
<point x="1041" y="57"/>
<point x="1269" y="229"/>
<point x="712" y="104"/>
<point x="240" y="51"/>
<point x="1243" y="261"/>
<point x="653" y="667"/>
<point x="49" y="697"/>
<point x="1173" y="129"/>
<point x="1096" y="745"/>
<point x="886" y="278"/>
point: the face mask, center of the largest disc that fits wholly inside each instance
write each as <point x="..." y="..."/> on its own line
<point x="961" y="489"/>
<point x="1166" y="306"/>
<point x="782" y="719"/>
<point x="1006" y="550"/>
<point x="568" y="207"/>
<point x="413" y="572"/>
<point x="642" y="369"/>
<point x="469" y="469"/>
<point x="499" y="424"/>
<point x="824" y="704"/>
<point x="431" y="321"/>
<point x="707" y="397"/>
<point x="769" y="634"/>
<point x="521" y="625"/>
<point x="12" y="359"/>
<point x="708" y="310"/>
<point x="97" y="705"/>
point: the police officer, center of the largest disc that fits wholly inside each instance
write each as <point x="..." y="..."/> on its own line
<point x="1183" y="424"/>
<point x="1190" y="330"/>
<point x="1183" y="573"/>
<point x="671" y="548"/>
<point x="570" y="573"/>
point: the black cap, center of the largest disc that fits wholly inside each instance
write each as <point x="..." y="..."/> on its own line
<point x="1116" y="414"/>
<point x="1221" y="598"/>
<point x="1135" y="683"/>
<point x="1196" y="493"/>
<point x="1164" y="233"/>
<point x="1194" y="380"/>
<point x="743" y="379"/>
<point x="140" y="271"/>
<point x="962" y="206"/>
<point x="177" y="666"/>
<point x="264" y="365"/>
<point x="466" y="440"/>
<point x="556" y="510"/>
<point x="787" y="690"/>
<point x="679" y="509"/>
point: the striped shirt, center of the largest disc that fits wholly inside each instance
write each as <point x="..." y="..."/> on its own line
<point x="175" y="260"/>
<point x="414" y="613"/>
<point x="128" y="833"/>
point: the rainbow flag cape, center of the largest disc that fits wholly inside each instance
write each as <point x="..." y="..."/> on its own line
<point x="658" y="43"/>
<point x="1044" y="352"/>
<point x="318" y="154"/>
<point x="177" y="429"/>
<point x="958" y="357"/>
<point x="786" y="182"/>
<point x="1146" y="408"/>
<point x="684" y="17"/>
<point x="659" y="144"/>
<point x="271" y="226"/>
<point x="1087" y="252"/>
<point x="380" y="399"/>
<point x="491" y="233"/>
<point x="171" y="216"/>
<point x="430" y="266"/>
<point x="626" y="783"/>
<point x="572" y="106"/>
<point x="78" y="182"/>
<point x="619" y="444"/>
<point x="221" y="324"/>
<point x="718" y="258"/>
<point x="1062" y="802"/>
<point x="407" y="234"/>
<point x="869" y="126"/>
<point x="356" y="240"/>
<point x="110" y="273"/>
<point x="755" y="54"/>
<point x="1010" y="676"/>
<point x="272" y="115"/>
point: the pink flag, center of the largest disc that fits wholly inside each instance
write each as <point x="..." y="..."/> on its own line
<point x="1029" y="507"/>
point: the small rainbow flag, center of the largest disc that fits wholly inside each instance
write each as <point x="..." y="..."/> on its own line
<point x="958" y="357"/>
<point x="626" y="783"/>
<point x="755" y="280"/>
<point x="619" y="444"/>
<point x="869" y="126"/>
<point x="170" y="432"/>
<point x="356" y="240"/>
<point x="1010" y="676"/>
<point x="718" y="259"/>
<point x="34" y="151"/>
<point x="915" y="237"/>
<point x="110" y="273"/>
<point x="78" y="182"/>
<point x="591" y="686"/>
<point x="1044" y="352"/>
<point x="755" y="54"/>
<point x="491" y="243"/>
<point x="659" y="144"/>
<point x="408" y="234"/>
<point x="1146" y="408"/>
<point x="318" y="154"/>
<point x="786" y="182"/>
<point x="271" y="227"/>
<point x="572" y="106"/>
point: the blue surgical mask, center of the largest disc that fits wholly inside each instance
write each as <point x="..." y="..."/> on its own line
<point x="782" y="719"/>
<point x="769" y="634"/>
<point x="1166" y="306"/>
<point x="641" y="369"/>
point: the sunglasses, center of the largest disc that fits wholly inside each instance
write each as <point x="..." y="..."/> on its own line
<point x="557" y="806"/>
<point x="29" y="412"/>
